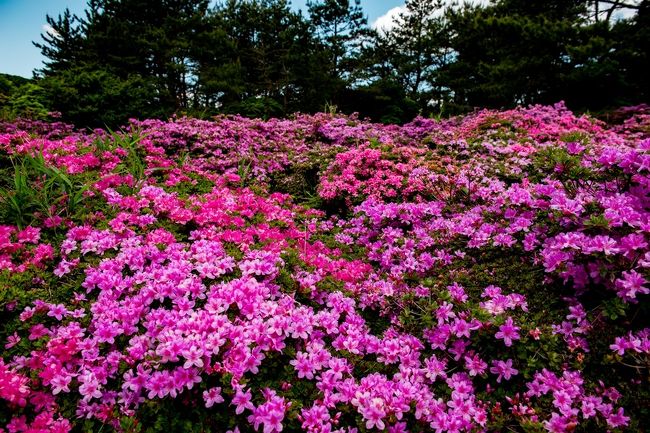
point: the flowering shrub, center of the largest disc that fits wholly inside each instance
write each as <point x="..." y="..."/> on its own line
<point x="483" y="273"/>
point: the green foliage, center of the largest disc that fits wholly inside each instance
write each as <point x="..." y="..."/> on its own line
<point x="522" y="52"/>
<point x="22" y="98"/>
<point x="341" y="25"/>
<point x="134" y="162"/>
<point x="260" y="58"/>
<point x="123" y="59"/>
<point x="415" y="48"/>
<point x="384" y="100"/>
<point x="262" y="108"/>
<point x="20" y="200"/>
<point x="38" y="189"/>
<point x="96" y="97"/>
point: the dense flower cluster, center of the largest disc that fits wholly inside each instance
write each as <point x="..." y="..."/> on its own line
<point x="481" y="273"/>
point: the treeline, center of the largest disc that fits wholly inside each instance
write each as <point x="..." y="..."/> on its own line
<point x="146" y="58"/>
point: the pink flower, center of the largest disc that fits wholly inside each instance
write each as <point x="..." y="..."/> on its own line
<point x="503" y="369"/>
<point x="631" y="284"/>
<point x="535" y="333"/>
<point x="617" y="419"/>
<point x="212" y="396"/>
<point x="303" y="366"/>
<point x="57" y="311"/>
<point x="64" y="267"/>
<point x="29" y="235"/>
<point x="508" y="332"/>
<point x="106" y="332"/>
<point x="314" y="417"/>
<point x="270" y="414"/>
<point x="159" y="384"/>
<point x="475" y="365"/>
<point x="457" y="293"/>
<point x="90" y="386"/>
<point x="242" y="400"/>
<point x="61" y="382"/>
<point x="193" y="357"/>
<point x="12" y="340"/>
<point x="435" y="368"/>
<point x="374" y="412"/>
<point x="557" y="424"/>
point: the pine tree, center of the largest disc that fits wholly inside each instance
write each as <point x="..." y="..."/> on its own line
<point x="62" y="43"/>
<point x="417" y="47"/>
<point x="121" y="49"/>
<point x="342" y="27"/>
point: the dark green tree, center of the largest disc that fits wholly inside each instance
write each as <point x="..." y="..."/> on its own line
<point x="132" y="47"/>
<point x="631" y="52"/>
<point x="532" y="51"/>
<point x="22" y="98"/>
<point x="416" y="47"/>
<point x="342" y="27"/>
<point x="220" y="80"/>
<point x="261" y="59"/>
<point x="152" y="58"/>
<point x="62" y="45"/>
<point x="512" y="52"/>
<point x="150" y="39"/>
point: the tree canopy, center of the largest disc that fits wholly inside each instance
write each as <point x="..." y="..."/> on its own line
<point x="137" y="58"/>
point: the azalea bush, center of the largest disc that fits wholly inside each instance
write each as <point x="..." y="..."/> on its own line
<point x="326" y="274"/>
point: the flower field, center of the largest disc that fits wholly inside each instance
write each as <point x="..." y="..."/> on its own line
<point x="326" y="274"/>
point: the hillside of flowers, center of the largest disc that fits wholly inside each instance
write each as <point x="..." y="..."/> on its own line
<point x="486" y="273"/>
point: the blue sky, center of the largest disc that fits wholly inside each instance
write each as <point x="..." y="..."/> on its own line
<point x="22" y="21"/>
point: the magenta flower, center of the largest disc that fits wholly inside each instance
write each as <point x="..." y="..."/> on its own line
<point x="475" y="365"/>
<point x="374" y="413"/>
<point x="242" y="400"/>
<point x="193" y="357"/>
<point x="270" y="414"/>
<point x="617" y="419"/>
<point x="12" y="340"/>
<point x="212" y="396"/>
<point x="198" y="273"/>
<point x="61" y="382"/>
<point x="508" y="332"/>
<point x="631" y="284"/>
<point x="57" y="311"/>
<point x="90" y="387"/>
<point x="303" y="366"/>
<point x="503" y="369"/>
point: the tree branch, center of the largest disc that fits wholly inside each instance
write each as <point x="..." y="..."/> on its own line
<point x="622" y="5"/>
